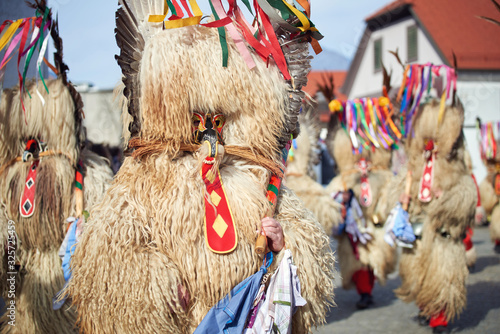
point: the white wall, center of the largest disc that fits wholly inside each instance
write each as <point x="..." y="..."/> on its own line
<point x="480" y="99"/>
<point x="102" y="117"/>
<point x="367" y="82"/>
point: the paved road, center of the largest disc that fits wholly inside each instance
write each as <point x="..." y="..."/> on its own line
<point x="390" y="315"/>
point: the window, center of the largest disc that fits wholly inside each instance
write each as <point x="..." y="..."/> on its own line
<point x="377" y="55"/>
<point x="412" y="43"/>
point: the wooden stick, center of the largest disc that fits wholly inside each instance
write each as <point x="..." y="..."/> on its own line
<point x="261" y="244"/>
<point x="407" y="190"/>
<point x="273" y="189"/>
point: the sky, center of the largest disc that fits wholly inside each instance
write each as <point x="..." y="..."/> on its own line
<point x="87" y="30"/>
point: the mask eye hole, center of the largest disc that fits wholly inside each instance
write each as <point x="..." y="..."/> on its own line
<point x="219" y="121"/>
<point x="197" y="121"/>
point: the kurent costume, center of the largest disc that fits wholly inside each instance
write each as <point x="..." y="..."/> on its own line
<point x="361" y="136"/>
<point x="300" y="173"/>
<point x="490" y="186"/>
<point x="442" y="197"/>
<point x="176" y="231"/>
<point x="470" y="249"/>
<point x="45" y="177"/>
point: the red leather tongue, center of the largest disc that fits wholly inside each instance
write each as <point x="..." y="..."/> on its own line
<point x="366" y="192"/>
<point x="424" y="194"/>
<point x="220" y="232"/>
<point x="365" y="198"/>
<point x="27" y="203"/>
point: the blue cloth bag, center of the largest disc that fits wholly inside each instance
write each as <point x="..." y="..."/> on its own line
<point x="229" y="315"/>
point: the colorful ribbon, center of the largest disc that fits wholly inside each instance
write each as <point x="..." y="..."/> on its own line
<point x="262" y="39"/>
<point x="365" y="122"/>
<point x="415" y="83"/>
<point x="488" y="140"/>
<point x="40" y="26"/>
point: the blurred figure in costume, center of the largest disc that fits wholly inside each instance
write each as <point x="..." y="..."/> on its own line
<point x="489" y="188"/>
<point x="440" y="196"/>
<point x="210" y="124"/>
<point x="45" y="177"/>
<point x="300" y="174"/>
<point x="470" y="250"/>
<point x="361" y="137"/>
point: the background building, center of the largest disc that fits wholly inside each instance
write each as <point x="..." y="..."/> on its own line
<point x="432" y="31"/>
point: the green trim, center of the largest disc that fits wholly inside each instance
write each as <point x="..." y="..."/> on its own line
<point x="273" y="188"/>
<point x="279" y="302"/>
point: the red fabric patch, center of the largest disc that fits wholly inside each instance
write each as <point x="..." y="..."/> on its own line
<point x="364" y="280"/>
<point x="497" y="184"/>
<point x="438" y="320"/>
<point x="468" y="239"/>
<point x="477" y="189"/>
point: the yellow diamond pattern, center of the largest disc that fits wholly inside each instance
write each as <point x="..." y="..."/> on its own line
<point x="215" y="198"/>
<point x="220" y="226"/>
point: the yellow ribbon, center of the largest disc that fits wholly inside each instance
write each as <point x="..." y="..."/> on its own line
<point x="372" y="113"/>
<point x="7" y="36"/>
<point x="188" y="21"/>
<point x="303" y="19"/>
<point x="442" y="106"/>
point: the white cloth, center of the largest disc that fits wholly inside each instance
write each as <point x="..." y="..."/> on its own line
<point x="282" y="299"/>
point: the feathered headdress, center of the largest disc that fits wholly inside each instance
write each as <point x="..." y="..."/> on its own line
<point x="16" y="35"/>
<point x="277" y="36"/>
<point x="489" y="139"/>
<point x="420" y="80"/>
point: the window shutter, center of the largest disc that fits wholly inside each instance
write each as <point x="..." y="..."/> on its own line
<point x="377" y="55"/>
<point x="412" y="43"/>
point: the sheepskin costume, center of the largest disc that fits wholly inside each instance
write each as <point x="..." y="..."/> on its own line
<point x="434" y="271"/>
<point x="490" y="187"/>
<point x="32" y="235"/>
<point x="376" y="255"/>
<point x="145" y="241"/>
<point x="470" y="249"/>
<point x="300" y="174"/>
<point x="40" y="276"/>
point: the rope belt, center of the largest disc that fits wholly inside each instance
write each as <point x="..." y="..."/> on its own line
<point x="40" y="155"/>
<point x="348" y="172"/>
<point x="144" y="148"/>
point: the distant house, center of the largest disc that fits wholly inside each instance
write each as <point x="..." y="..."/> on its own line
<point x="431" y="31"/>
<point x="316" y="78"/>
<point x="102" y="115"/>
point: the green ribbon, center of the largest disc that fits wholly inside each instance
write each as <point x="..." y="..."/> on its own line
<point x="30" y="53"/>
<point x="282" y="8"/>
<point x="248" y="6"/>
<point x="363" y="120"/>
<point x="47" y="10"/>
<point x="429" y="80"/>
<point x="172" y="7"/>
<point x="222" y="38"/>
